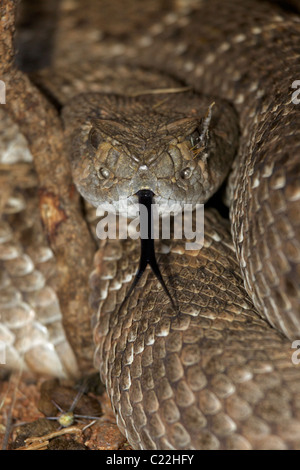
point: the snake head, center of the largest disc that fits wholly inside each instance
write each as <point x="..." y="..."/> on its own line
<point x="180" y="146"/>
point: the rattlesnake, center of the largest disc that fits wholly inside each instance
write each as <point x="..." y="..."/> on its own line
<point x="214" y="373"/>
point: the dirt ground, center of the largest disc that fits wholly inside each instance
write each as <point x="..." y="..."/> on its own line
<point x="43" y="413"/>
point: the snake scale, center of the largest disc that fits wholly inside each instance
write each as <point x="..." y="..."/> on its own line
<point x="217" y="372"/>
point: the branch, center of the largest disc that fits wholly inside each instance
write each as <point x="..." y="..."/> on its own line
<point x="61" y="214"/>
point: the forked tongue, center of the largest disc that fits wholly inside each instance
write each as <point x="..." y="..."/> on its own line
<point x="147" y="245"/>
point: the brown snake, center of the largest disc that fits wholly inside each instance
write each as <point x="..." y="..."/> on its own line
<point x="213" y="374"/>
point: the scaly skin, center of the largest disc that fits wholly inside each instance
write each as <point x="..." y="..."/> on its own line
<point x="215" y="374"/>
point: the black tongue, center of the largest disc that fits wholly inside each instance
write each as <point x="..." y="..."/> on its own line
<point x="147" y="245"/>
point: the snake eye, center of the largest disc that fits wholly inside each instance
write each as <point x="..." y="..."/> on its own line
<point x="103" y="173"/>
<point x="186" y="173"/>
<point x="94" y="138"/>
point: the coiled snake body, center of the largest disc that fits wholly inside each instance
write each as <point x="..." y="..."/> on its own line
<point x="213" y="374"/>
